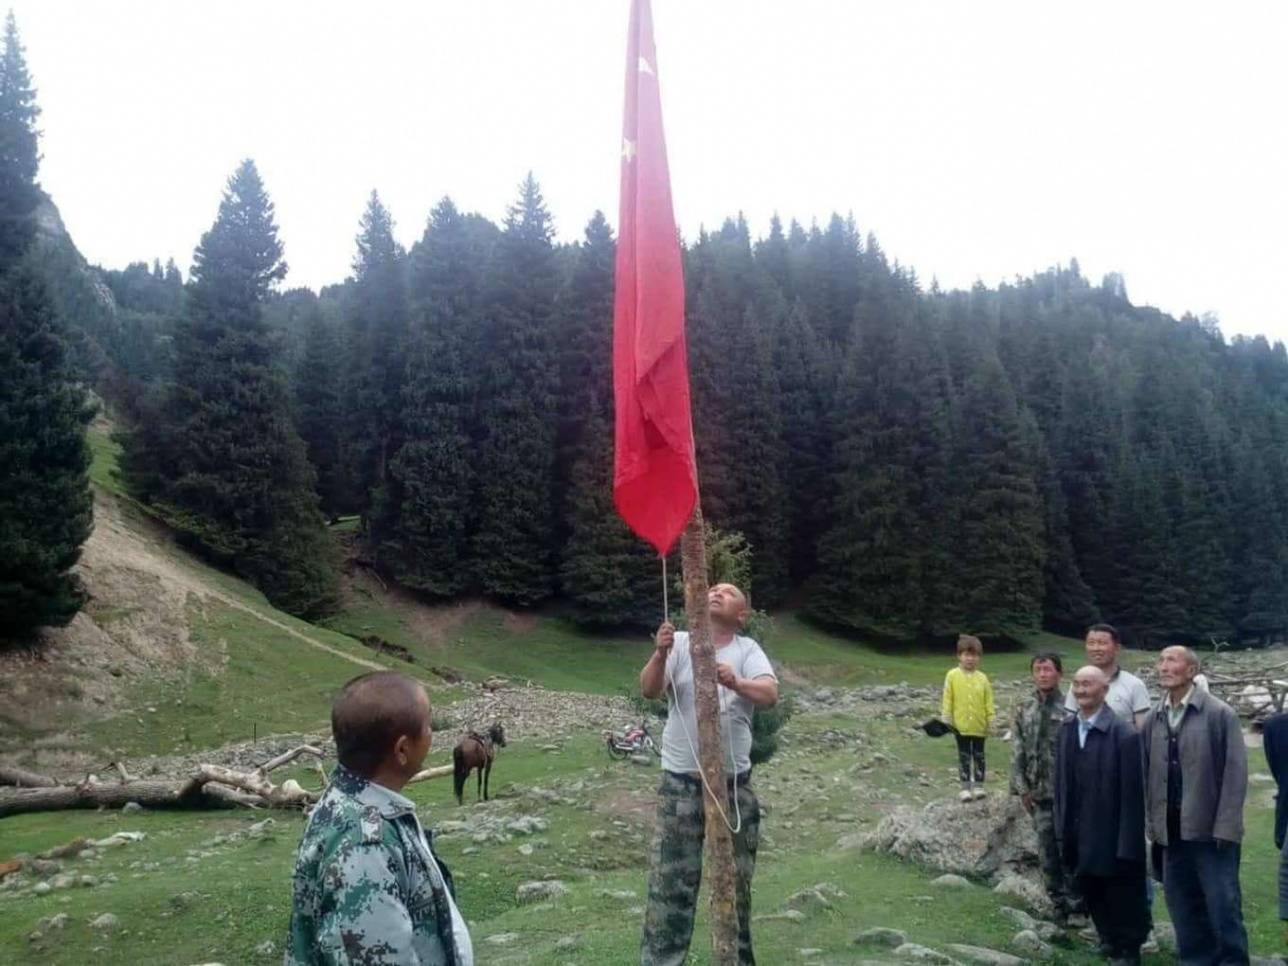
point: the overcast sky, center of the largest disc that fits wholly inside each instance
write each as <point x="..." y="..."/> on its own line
<point x="978" y="140"/>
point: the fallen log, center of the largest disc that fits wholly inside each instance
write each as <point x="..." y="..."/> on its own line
<point x="438" y="771"/>
<point x="22" y="778"/>
<point x="210" y="786"/>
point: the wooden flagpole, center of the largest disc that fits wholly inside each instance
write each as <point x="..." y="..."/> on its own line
<point x="719" y="839"/>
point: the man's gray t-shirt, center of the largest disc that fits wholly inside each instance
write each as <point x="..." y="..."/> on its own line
<point x="1127" y="696"/>
<point x="748" y="661"/>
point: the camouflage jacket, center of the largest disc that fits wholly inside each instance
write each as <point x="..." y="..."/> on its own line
<point x="368" y="889"/>
<point x="1033" y="740"/>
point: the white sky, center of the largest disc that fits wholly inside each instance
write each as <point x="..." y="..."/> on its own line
<point x="978" y="139"/>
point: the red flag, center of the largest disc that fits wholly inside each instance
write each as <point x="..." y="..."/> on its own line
<point x="655" y="477"/>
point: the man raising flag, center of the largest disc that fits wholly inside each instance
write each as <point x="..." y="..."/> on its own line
<point x="655" y="487"/>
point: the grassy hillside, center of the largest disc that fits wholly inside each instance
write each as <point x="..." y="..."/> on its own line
<point x="200" y="889"/>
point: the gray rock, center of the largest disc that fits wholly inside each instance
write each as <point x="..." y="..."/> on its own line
<point x="527" y="825"/>
<point x="567" y="944"/>
<point x="622" y="895"/>
<point x="882" y="936"/>
<point x="182" y="900"/>
<point x="1029" y="943"/>
<point x="984" y="957"/>
<point x="809" y="953"/>
<point x="261" y="828"/>
<point x="502" y="938"/>
<point x="64" y="880"/>
<point x="529" y="892"/>
<point x="1018" y="918"/>
<point x="50" y="923"/>
<point x="977" y="841"/>
<point x="526" y="849"/>
<point x="922" y="954"/>
<point x="790" y="915"/>
<point x="130" y="808"/>
<point x="808" y="900"/>
<point x="951" y="881"/>
<point x="105" y="923"/>
<point x="266" y="948"/>
<point x="1026" y="890"/>
<point x="41" y="888"/>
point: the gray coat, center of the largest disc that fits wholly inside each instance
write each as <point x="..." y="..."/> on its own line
<point x="1214" y="771"/>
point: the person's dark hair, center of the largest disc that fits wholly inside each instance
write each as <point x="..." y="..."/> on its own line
<point x="372" y="712"/>
<point x="1051" y="656"/>
<point x="1106" y="629"/>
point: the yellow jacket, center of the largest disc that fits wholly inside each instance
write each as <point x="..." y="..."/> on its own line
<point x="968" y="702"/>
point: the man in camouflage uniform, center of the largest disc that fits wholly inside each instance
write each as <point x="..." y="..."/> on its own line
<point x="1034" y="738"/>
<point x="368" y="888"/>
<point x="747" y="682"/>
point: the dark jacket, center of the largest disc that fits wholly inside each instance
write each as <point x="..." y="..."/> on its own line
<point x="1214" y="771"/>
<point x="1100" y="822"/>
<point x="1276" y="749"/>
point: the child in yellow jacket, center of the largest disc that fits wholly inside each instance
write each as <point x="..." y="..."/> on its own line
<point x="968" y="707"/>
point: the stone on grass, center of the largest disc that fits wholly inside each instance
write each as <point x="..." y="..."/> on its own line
<point x="882" y="936"/>
<point x="1030" y="943"/>
<point x="526" y="849"/>
<point x="1026" y="890"/>
<point x="502" y="938"/>
<point x="266" y="948"/>
<point x="527" y="825"/>
<point x="983" y="957"/>
<point x="922" y="954"/>
<point x="106" y="922"/>
<point x="41" y="888"/>
<point x="791" y="915"/>
<point x="809" y="953"/>
<point x="529" y="892"/>
<point x="951" y="881"/>
<point x="567" y="944"/>
<point x="53" y="922"/>
<point x="808" y="900"/>
<point x="129" y="808"/>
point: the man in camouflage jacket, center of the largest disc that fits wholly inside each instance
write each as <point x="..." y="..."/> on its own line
<point x="368" y="887"/>
<point x="1034" y="737"/>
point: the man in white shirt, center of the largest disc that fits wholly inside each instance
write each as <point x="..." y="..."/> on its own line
<point x="747" y="681"/>
<point x="1128" y="697"/>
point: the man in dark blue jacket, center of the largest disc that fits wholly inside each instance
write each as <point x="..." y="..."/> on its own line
<point x="1100" y="817"/>
<point x="1276" y="749"/>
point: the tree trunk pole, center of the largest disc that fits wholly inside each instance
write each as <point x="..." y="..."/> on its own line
<point x="719" y="840"/>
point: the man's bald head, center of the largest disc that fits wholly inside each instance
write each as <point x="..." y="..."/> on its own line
<point x="1177" y="666"/>
<point x="371" y="713"/>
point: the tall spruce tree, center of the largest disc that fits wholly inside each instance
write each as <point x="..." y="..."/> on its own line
<point x="220" y="457"/>
<point x="1001" y="549"/>
<point x="321" y="414"/>
<point x="424" y="541"/>
<point x="45" y="506"/>
<point x="378" y="338"/>
<point x="513" y="550"/>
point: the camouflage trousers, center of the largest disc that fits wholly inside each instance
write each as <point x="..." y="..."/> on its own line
<point x="1060" y="885"/>
<point x="676" y="870"/>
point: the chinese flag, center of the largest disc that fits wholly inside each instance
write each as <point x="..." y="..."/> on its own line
<point x="655" y="477"/>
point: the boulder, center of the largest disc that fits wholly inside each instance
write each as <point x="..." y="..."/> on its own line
<point x="978" y="840"/>
<point x="982" y="956"/>
<point x="1026" y="890"/>
<point x="530" y="892"/>
<point x="104" y="923"/>
<point x="1028" y="942"/>
<point x="922" y="954"/>
<point x="951" y="881"/>
<point x="882" y="936"/>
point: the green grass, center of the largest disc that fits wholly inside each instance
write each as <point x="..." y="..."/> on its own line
<point x="106" y="452"/>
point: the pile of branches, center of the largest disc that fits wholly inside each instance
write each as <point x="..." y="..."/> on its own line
<point x="208" y="786"/>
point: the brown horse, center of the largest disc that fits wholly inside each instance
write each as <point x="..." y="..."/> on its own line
<point x="476" y="751"/>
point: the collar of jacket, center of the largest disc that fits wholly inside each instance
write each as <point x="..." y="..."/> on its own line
<point x="386" y="801"/>
<point x="1051" y="697"/>
<point x="1099" y="721"/>
<point x="1197" y="699"/>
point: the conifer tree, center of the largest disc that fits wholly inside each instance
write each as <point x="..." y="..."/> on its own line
<point x="220" y="457"/>
<point x="1001" y="550"/>
<point x="514" y="465"/>
<point x="321" y="410"/>
<point x="423" y="542"/>
<point x="45" y="506"/>
<point x="378" y="339"/>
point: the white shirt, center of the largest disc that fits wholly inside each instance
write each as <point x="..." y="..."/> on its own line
<point x="680" y="736"/>
<point x="1127" y="696"/>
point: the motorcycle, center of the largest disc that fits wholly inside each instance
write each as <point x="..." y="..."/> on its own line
<point x="634" y="741"/>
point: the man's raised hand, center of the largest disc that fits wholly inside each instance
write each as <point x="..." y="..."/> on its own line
<point x="725" y="675"/>
<point x="665" y="638"/>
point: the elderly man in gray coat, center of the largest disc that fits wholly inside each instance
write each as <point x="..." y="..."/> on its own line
<point x="1196" y="780"/>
